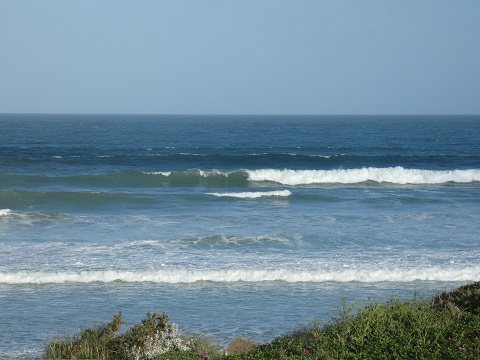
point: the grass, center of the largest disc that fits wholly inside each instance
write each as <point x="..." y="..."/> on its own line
<point x="447" y="326"/>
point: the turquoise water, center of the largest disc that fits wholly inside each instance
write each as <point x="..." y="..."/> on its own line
<point x="235" y="226"/>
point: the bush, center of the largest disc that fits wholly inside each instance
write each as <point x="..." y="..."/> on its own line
<point x="448" y="327"/>
<point x="445" y="327"/>
<point x="241" y="346"/>
<point x="465" y="297"/>
<point x="153" y="337"/>
<point x="92" y="343"/>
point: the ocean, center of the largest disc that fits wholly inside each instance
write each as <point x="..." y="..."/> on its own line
<point x="233" y="225"/>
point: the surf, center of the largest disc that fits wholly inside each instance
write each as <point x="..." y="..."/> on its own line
<point x="393" y="175"/>
<point x="184" y="276"/>
<point x="254" y="194"/>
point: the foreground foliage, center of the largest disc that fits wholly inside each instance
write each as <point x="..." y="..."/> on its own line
<point x="155" y="336"/>
<point x="445" y="327"/>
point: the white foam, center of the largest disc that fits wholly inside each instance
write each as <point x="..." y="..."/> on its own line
<point x="207" y="173"/>
<point x="5" y="212"/>
<point x="394" y="175"/>
<point x="253" y="194"/>
<point x="163" y="173"/>
<point x="247" y="275"/>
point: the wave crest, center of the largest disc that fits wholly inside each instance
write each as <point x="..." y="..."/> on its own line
<point x="254" y="194"/>
<point x="394" y="175"/>
<point x="5" y="212"/>
<point x="242" y="177"/>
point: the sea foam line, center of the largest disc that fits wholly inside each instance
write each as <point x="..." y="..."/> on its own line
<point x="394" y="175"/>
<point x="253" y="194"/>
<point x="177" y="276"/>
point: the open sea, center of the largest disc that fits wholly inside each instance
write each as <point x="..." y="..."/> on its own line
<point x="233" y="225"/>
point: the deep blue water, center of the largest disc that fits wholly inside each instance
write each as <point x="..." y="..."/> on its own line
<point x="234" y="225"/>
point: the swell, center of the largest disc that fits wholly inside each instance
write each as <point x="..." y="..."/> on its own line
<point x="241" y="178"/>
<point x="26" y="198"/>
<point x="122" y="159"/>
<point x="131" y="179"/>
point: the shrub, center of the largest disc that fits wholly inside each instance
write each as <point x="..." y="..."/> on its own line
<point x="465" y="297"/>
<point x="153" y="337"/>
<point x="92" y="343"/>
<point x="445" y="327"/>
<point x="159" y="343"/>
<point x="448" y="327"/>
<point x="241" y="346"/>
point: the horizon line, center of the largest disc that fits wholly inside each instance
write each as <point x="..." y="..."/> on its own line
<point x="238" y="114"/>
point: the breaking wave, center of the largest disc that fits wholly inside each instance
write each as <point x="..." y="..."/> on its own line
<point x="242" y="178"/>
<point x="178" y="276"/>
<point x="393" y="175"/>
<point x="5" y="212"/>
<point x="254" y="194"/>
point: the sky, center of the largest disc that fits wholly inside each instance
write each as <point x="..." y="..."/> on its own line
<point x="240" y="57"/>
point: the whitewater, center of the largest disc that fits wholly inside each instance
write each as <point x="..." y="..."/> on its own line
<point x="230" y="276"/>
<point x="396" y="175"/>
<point x="234" y="225"/>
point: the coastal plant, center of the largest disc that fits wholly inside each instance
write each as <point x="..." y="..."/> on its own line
<point x="200" y="347"/>
<point x="203" y="346"/>
<point x="154" y="336"/>
<point x="447" y="327"/>
<point x="92" y="343"/>
<point x="444" y="327"/>
<point x="159" y="343"/>
<point x="241" y="346"/>
<point x="466" y="297"/>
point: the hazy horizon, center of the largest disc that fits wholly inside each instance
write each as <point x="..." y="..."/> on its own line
<point x="263" y="57"/>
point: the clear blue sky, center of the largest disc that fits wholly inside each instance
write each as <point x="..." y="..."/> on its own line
<point x="240" y="57"/>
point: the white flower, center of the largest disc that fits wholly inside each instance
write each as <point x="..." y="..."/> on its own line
<point x="161" y="342"/>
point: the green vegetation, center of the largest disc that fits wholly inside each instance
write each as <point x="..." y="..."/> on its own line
<point x="153" y="337"/>
<point x="444" y="327"/>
